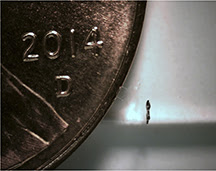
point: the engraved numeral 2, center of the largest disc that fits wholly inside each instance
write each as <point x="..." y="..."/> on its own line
<point x="27" y="57"/>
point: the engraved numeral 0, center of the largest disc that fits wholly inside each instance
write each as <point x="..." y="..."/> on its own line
<point x="27" y="57"/>
<point x="57" y="36"/>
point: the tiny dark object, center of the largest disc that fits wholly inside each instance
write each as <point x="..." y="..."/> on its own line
<point x="148" y="106"/>
<point x="62" y="64"/>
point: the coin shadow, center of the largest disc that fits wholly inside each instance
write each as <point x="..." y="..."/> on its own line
<point x="173" y="146"/>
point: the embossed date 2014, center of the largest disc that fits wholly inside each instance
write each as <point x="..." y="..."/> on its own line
<point x="92" y="42"/>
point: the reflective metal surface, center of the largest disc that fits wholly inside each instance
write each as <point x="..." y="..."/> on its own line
<point x="62" y="65"/>
<point x="174" y="69"/>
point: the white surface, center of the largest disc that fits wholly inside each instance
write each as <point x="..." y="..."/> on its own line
<point x="174" y="66"/>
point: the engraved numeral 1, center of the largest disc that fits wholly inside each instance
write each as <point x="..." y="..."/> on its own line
<point x="93" y="42"/>
<point x="57" y="36"/>
<point x="72" y="43"/>
<point x="27" y="57"/>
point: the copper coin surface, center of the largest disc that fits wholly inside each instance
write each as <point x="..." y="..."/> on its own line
<point x="62" y="64"/>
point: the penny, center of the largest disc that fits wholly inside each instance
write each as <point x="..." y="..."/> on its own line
<point x="62" y="65"/>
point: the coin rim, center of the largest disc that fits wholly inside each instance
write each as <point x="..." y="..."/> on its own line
<point x="112" y="92"/>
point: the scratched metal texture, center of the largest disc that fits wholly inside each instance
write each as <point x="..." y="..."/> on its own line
<point x="38" y="129"/>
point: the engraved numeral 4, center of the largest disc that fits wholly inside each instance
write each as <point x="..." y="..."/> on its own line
<point x="93" y="41"/>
